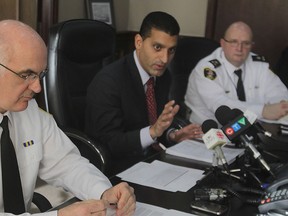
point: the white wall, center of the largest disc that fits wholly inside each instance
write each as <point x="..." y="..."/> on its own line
<point x="191" y="14"/>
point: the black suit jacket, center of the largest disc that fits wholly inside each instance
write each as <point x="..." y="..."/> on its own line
<point x="116" y="107"/>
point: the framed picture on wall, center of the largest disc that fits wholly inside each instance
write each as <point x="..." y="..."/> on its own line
<point x="101" y="10"/>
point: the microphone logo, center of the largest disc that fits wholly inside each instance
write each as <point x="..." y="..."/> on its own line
<point x="236" y="127"/>
<point x="229" y="131"/>
<point x="220" y="135"/>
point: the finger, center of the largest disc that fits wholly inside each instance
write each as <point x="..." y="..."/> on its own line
<point x="167" y="109"/>
<point x="126" y="194"/>
<point x="98" y="207"/>
<point x="175" y="110"/>
<point x="170" y="114"/>
<point x="129" y="207"/>
<point x="169" y="106"/>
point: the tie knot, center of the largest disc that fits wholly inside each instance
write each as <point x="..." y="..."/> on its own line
<point x="238" y="72"/>
<point x="150" y="81"/>
<point x="4" y="123"/>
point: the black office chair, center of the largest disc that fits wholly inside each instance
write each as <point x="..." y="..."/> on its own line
<point x="41" y="202"/>
<point x="189" y="51"/>
<point x="78" y="49"/>
<point x="281" y="68"/>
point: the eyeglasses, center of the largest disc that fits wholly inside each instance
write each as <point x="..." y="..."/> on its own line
<point x="236" y="43"/>
<point x="28" y="75"/>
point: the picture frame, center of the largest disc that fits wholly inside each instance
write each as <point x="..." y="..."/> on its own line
<point x="101" y="10"/>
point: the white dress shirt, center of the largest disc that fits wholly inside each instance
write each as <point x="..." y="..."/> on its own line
<point x="206" y="93"/>
<point x="43" y="150"/>
<point x="145" y="137"/>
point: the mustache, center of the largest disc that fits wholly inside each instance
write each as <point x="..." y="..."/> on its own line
<point x="32" y="94"/>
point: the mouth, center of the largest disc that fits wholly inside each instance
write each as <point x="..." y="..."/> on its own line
<point x="27" y="97"/>
<point x="159" y="67"/>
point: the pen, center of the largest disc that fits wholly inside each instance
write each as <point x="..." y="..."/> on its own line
<point x="162" y="146"/>
<point x="111" y="207"/>
<point x="113" y="204"/>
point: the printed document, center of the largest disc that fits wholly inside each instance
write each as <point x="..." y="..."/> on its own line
<point x="195" y="150"/>
<point x="163" y="176"/>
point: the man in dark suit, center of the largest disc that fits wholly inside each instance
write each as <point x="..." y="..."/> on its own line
<point x="117" y="113"/>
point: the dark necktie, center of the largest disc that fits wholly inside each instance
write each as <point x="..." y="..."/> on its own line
<point x="152" y="107"/>
<point x="151" y="101"/>
<point x="240" y="88"/>
<point x="11" y="182"/>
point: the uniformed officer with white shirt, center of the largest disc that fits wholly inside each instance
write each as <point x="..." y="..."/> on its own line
<point x="213" y="82"/>
<point x="42" y="149"/>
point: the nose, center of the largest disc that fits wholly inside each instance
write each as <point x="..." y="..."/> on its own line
<point x="35" y="86"/>
<point x="164" y="56"/>
<point x="239" y="46"/>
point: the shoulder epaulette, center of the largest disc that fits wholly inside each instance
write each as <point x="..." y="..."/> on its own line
<point x="259" y="58"/>
<point x="215" y="63"/>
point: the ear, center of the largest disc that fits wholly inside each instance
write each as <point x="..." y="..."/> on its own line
<point x="138" y="41"/>
<point x="222" y="42"/>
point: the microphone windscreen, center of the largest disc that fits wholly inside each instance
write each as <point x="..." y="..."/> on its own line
<point x="209" y="124"/>
<point x="236" y="112"/>
<point x="223" y="114"/>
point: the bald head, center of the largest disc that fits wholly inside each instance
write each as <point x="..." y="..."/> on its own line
<point x="17" y="37"/>
<point x="237" y="43"/>
<point x="22" y="52"/>
<point x="238" y="27"/>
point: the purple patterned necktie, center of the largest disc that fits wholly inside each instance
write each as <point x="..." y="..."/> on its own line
<point x="151" y="101"/>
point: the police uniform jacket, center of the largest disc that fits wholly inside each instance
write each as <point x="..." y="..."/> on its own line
<point x="43" y="150"/>
<point x="213" y="82"/>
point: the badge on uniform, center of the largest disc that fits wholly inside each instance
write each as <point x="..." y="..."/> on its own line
<point x="209" y="73"/>
<point x="28" y="143"/>
<point x="215" y="62"/>
<point x="259" y="58"/>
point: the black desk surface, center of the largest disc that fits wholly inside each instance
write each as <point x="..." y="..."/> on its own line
<point x="181" y="200"/>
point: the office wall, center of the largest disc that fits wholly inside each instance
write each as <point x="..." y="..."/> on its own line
<point x="71" y="9"/>
<point x="191" y="14"/>
<point x="24" y="10"/>
<point x="269" y="23"/>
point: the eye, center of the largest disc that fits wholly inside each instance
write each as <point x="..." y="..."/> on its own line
<point x="24" y="75"/>
<point x="247" y="43"/>
<point x="172" y="50"/>
<point x="157" y="47"/>
<point x="234" y="42"/>
<point x="27" y="74"/>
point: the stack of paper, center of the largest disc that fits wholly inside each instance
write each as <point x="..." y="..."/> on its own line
<point x="163" y="176"/>
<point x="143" y="209"/>
<point x="150" y="210"/>
<point x="198" y="151"/>
<point x="283" y="120"/>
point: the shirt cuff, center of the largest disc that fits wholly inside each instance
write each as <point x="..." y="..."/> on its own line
<point x="145" y="138"/>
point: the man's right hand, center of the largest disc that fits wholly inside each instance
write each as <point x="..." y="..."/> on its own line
<point x="275" y="111"/>
<point x="85" y="208"/>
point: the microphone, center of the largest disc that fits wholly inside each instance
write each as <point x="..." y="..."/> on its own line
<point x="214" y="138"/>
<point x="237" y="127"/>
<point x="234" y="123"/>
<point x="226" y="116"/>
<point x="252" y="118"/>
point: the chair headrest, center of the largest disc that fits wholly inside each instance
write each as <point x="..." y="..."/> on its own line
<point x="90" y="37"/>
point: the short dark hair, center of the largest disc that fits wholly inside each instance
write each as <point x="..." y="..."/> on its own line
<point x="161" y="21"/>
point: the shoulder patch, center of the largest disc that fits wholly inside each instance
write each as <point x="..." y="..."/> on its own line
<point x="210" y="74"/>
<point x="259" y="58"/>
<point x="215" y="63"/>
